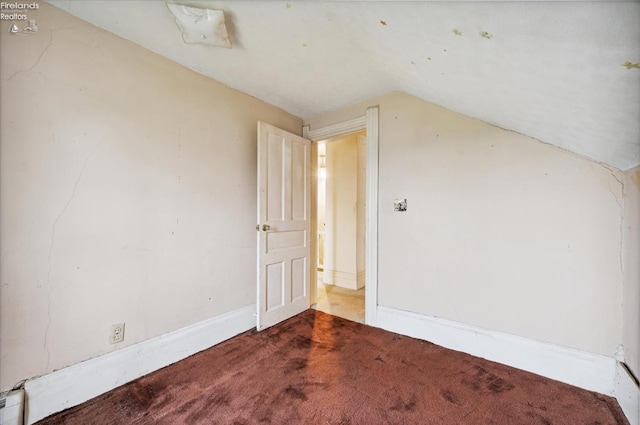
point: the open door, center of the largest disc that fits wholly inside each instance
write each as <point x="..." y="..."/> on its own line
<point x="284" y="254"/>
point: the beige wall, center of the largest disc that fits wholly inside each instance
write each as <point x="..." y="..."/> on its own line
<point x="631" y="302"/>
<point x="502" y="231"/>
<point x="128" y="194"/>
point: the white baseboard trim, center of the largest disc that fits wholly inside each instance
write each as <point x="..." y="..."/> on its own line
<point x="590" y="371"/>
<point x="76" y="384"/>
<point x="361" y="279"/>
<point x="339" y="278"/>
<point x="628" y="395"/>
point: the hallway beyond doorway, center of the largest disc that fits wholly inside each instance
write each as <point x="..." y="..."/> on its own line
<point x="345" y="303"/>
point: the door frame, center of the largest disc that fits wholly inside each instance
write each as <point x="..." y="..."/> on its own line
<point x="369" y="123"/>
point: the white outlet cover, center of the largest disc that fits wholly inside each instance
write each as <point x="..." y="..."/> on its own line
<point x="116" y="335"/>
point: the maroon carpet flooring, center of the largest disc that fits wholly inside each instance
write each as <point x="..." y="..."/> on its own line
<point x="319" y="369"/>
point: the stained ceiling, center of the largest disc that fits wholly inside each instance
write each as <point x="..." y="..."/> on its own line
<point x="565" y="73"/>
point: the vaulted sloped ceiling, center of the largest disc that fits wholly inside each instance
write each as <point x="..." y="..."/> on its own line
<point x="565" y="73"/>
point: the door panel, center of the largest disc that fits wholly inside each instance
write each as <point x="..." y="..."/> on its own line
<point x="285" y="240"/>
<point x="299" y="187"/>
<point x="298" y="269"/>
<point x="275" y="286"/>
<point x="275" y="177"/>
<point x="283" y="225"/>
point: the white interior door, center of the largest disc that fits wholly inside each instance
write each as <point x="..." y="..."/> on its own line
<point x="284" y="255"/>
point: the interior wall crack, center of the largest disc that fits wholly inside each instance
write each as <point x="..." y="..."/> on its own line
<point x="37" y="61"/>
<point x="51" y="247"/>
<point x="620" y="201"/>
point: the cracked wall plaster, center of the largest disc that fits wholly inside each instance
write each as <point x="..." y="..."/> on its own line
<point x="631" y="290"/>
<point x="50" y="281"/>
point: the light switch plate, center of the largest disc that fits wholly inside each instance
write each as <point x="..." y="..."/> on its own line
<point x="400" y="205"/>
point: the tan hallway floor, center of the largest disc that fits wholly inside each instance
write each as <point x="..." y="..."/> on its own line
<point x="345" y="303"/>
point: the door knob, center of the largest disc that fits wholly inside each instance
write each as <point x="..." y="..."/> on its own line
<point x="266" y="227"/>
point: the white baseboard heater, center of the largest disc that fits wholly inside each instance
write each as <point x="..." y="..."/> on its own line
<point x="12" y="407"/>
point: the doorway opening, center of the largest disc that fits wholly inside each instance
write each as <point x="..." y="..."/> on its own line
<point x="368" y="122"/>
<point x="340" y="225"/>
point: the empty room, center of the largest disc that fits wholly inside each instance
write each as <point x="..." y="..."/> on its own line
<point x="173" y="187"/>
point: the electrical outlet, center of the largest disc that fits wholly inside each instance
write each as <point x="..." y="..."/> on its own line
<point x="117" y="333"/>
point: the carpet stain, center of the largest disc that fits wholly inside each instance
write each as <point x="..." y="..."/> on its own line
<point x="484" y="380"/>
<point x="295" y="364"/>
<point x="450" y="397"/>
<point x="499" y="385"/>
<point x="221" y="398"/>
<point x="400" y="401"/>
<point x="301" y="343"/>
<point x="543" y="408"/>
<point x="296" y="392"/>
<point x="186" y="407"/>
<point x="142" y="397"/>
